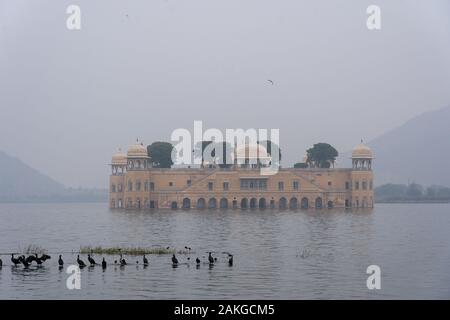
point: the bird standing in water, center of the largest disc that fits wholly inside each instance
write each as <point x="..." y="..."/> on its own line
<point x="24" y="261"/>
<point x="104" y="263"/>
<point x="174" y="259"/>
<point x="15" y="261"/>
<point x="38" y="260"/>
<point x="197" y="260"/>
<point x="210" y="258"/>
<point x="60" y="261"/>
<point x="122" y="261"/>
<point x="230" y="261"/>
<point x="80" y="262"/>
<point x="145" y="260"/>
<point x="1" y="263"/>
<point x="91" y="261"/>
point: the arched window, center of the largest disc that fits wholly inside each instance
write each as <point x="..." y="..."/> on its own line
<point x="223" y="203"/>
<point x="201" y="203"/>
<point x="318" y="203"/>
<point x="262" y="203"/>
<point x="186" y="203"/>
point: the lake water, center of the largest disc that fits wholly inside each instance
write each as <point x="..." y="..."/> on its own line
<point x="410" y="243"/>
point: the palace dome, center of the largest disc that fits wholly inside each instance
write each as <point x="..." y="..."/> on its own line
<point x="361" y="151"/>
<point x="137" y="150"/>
<point x="252" y="151"/>
<point x="119" y="158"/>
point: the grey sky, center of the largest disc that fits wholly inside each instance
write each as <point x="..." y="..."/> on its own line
<point x="68" y="99"/>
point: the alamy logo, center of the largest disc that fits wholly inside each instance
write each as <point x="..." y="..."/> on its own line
<point x="374" y="280"/>
<point x="73" y="21"/>
<point x="374" y="19"/>
<point x="74" y="280"/>
<point x="251" y="148"/>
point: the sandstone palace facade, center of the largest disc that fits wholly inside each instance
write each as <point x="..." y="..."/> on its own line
<point x="135" y="184"/>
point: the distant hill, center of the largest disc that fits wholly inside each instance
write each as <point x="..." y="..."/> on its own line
<point x="417" y="151"/>
<point x="21" y="183"/>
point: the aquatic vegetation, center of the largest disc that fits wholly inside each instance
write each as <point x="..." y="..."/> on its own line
<point x="136" y="251"/>
<point x="34" y="249"/>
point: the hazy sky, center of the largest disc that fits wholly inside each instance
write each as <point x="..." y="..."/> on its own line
<point x="68" y="99"/>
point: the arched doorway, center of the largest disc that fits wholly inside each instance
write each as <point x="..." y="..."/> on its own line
<point x="212" y="203"/>
<point x="253" y="203"/>
<point x="282" y="204"/>
<point x="201" y="203"/>
<point x="319" y="203"/>
<point x="223" y="203"/>
<point x="293" y="203"/>
<point x="330" y="204"/>
<point x="244" y="203"/>
<point x="262" y="203"/>
<point x="304" y="203"/>
<point x="174" y="205"/>
<point x="186" y="203"/>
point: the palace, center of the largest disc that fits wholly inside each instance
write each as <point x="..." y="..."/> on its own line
<point x="135" y="184"/>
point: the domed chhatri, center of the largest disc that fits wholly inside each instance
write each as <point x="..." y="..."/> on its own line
<point x="136" y="184"/>
<point x="119" y="158"/>
<point x="362" y="157"/>
<point x="137" y="150"/>
<point x="362" y="151"/>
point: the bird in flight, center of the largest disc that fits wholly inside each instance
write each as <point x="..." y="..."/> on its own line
<point x="270" y="81"/>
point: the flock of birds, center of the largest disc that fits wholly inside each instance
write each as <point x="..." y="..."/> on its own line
<point x="27" y="261"/>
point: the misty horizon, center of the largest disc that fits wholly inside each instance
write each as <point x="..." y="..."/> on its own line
<point x="69" y="99"/>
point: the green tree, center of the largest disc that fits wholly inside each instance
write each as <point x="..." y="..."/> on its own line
<point x="160" y="154"/>
<point x="300" y="165"/>
<point x="322" y="155"/>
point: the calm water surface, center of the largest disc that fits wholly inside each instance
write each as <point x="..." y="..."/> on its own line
<point x="410" y="242"/>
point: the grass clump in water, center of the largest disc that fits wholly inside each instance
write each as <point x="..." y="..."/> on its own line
<point x="133" y="251"/>
<point x="34" y="249"/>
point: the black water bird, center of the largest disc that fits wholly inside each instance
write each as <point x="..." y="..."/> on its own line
<point x="91" y="261"/>
<point x="80" y="262"/>
<point x="122" y="261"/>
<point x="230" y="260"/>
<point x="145" y="260"/>
<point x="24" y="261"/>
<point x="1" y="263"/>
<point x="174" y="259"/>
<point x="15" y="261"/>
<point x="210" y="258"/>
<point x="30" y="259"/>
<point x="197" y="260"/>
<point x="60" y="261"/>
<point x="38" y="260"/>
<point x="103" y="263"/>
<point x="45" y="257"/>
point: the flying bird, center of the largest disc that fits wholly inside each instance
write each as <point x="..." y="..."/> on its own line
<point x="271" y="82"/>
